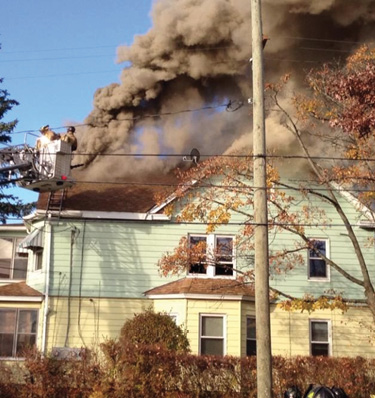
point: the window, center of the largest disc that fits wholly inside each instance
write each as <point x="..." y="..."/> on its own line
<point x="251" y="343"/>
<point x="320" y="338"/>
<point x="212" y="335"/>
<point x="224" y="255"/>
<point x="199" y="263"/>
<point x="38" y="258"/>
<point x="317" y="266"/>
<point x="13" y="264"/>
<point x="213" y="255"/>
<point x="17" y="331"/>
<point x="174" y="317"/>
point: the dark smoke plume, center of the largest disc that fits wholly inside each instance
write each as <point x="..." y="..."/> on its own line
<point x="196" y="55"/>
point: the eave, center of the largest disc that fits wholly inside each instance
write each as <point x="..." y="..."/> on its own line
<point x="97" y="215"/>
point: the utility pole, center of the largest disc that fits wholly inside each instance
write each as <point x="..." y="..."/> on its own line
<point x="262" y="306"/>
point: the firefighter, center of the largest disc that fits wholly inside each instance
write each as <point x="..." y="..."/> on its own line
<point x="70" y="138"/>
<point x="47" y="136"/>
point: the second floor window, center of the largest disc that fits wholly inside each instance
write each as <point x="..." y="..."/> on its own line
<point x="13" y="264"/>
<point x="317" y="267"/>
<point x="212" y="255"/>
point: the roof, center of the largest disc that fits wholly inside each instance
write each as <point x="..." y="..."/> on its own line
<point x="136" y="195"/>
<point x="204" y="286"/>
<point x="19" y="289"/>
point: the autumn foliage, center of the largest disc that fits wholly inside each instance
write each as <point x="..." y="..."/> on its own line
<point x="156" y="372"/>
<point x="335" y="114"/>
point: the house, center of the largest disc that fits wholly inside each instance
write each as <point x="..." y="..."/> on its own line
<point x="92" y="263"/>
<point x="19" y="303"/>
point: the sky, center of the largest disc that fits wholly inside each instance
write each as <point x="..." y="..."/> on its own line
<point x="54" y="55"/>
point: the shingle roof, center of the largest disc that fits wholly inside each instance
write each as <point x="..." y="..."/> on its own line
<point x="133" y="195"/>
<point x="206" y="286"/>
<point x="19" y="289"/>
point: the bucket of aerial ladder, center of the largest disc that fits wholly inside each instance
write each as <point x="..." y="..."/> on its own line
<point x="50" y="168"/>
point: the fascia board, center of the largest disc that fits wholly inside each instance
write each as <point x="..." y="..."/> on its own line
<point x="360" y="207"/>
<point x="171" y="198"/>
<point x="25" y="299"/>
<point x="188" y="296"/>
<point x="104" y="215"/>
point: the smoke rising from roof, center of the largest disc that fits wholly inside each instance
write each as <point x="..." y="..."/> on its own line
<point x="196" y="55"/>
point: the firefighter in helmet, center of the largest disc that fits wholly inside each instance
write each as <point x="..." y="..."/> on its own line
<point x="70" y="138"/>
<point x="47" y="136"/>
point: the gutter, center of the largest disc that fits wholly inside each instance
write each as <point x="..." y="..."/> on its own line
<point x="100" y="215"/>
<point x="22" y="299"/>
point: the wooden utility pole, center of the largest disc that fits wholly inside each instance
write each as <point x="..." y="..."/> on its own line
<point x="262" y="306"/>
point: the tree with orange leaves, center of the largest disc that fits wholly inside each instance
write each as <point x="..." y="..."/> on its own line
<point x="220" y="191"/>
<point x="336" y="111"/>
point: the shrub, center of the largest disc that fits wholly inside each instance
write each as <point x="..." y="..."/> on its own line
<point x="154" y="328"/>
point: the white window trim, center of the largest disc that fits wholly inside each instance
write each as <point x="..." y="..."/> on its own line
<point x="174" y="316"/>
<point x="211" y="247"/>
<point x="224" y="338"/>
<point x="15" y="334"/>
<point x="328" y="268"/>
<point x="329" y="327"/>
<point x="15" y="251"/>
<point x="36" y="255"/>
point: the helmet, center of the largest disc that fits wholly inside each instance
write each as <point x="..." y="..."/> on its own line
<point x="44" y="128"/>
<point x="71" y="129"/>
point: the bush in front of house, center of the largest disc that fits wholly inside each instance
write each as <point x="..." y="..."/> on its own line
<point x="154" y="328"/>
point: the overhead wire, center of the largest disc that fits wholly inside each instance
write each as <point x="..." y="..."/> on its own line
<point x="230" y="106"/>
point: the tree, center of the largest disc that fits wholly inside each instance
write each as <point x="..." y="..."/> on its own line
<point x="342" y="98"/>
<point x="154" y="328"/>
<point x="10" y="205"/>
<point x="337" y="111"/>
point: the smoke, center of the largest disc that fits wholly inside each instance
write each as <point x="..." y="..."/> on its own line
<point x="180" y="75"/>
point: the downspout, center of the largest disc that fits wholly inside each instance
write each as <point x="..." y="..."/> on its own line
<point x="46" y="288"/>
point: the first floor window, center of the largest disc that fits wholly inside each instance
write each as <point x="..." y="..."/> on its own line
<point x="212" y="335"/>
<point x="320" y="338"/>
<point x="13" y="264"/>
<point x="251" y="343"/>
<point x="317" y="266"/>
<point x="18" y="328"/>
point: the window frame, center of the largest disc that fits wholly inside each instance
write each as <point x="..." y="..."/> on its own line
<point x="15" y="255"/>
<point x="16" y="332"/>
<point x="309" y="258"/>
<point x="317" y="342"/>
<point x="211" y="243"/>
<point x="174" y="316"/>
<point x="222" y="338"/>
<point x="37" y="259"/>
<point x="248" y="338"/>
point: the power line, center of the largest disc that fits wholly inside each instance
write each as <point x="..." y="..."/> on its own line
<point x="230" y="106"/>
<point x="212" y="155"/>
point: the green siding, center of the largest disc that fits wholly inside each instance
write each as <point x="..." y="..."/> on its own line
<point x="119" y="258"/>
